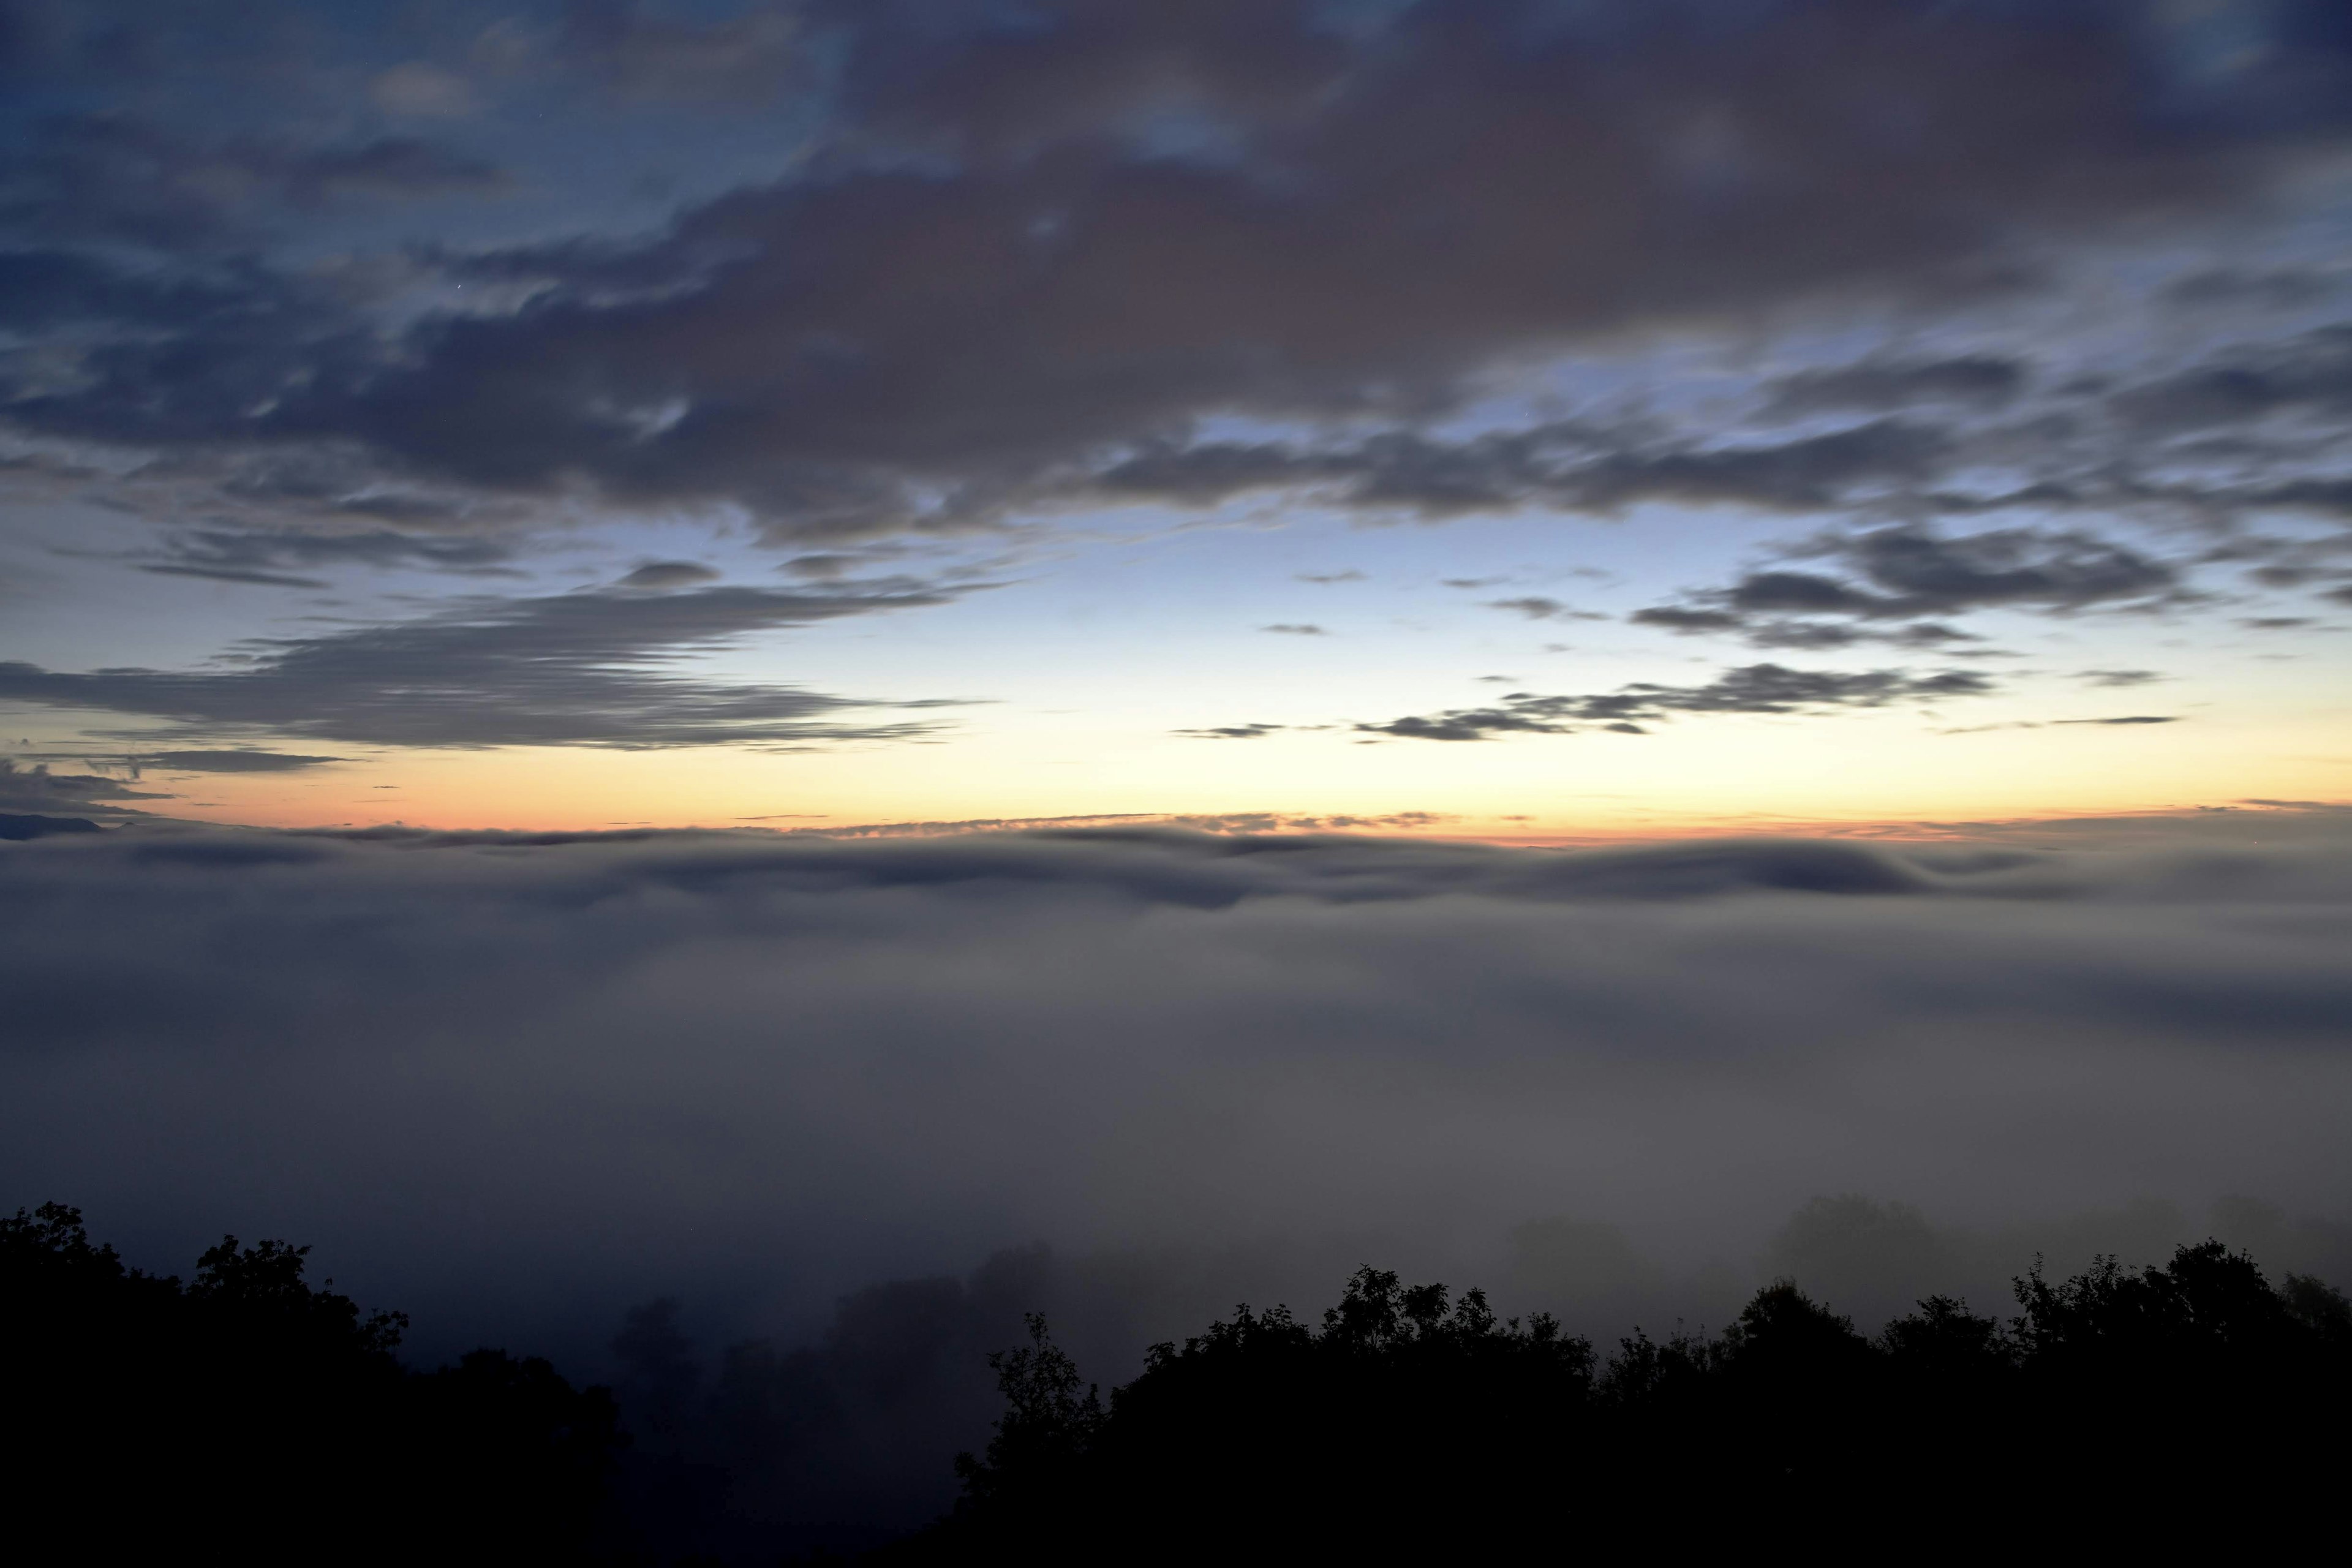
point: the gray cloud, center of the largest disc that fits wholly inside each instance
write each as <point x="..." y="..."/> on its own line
<point x="1752" y="688"/>
<point x="263" y="556"/>
<point x="36" y="789"/>
<point x="667" y="575"/>
<point x="115" y="179"/>
<point x="2311" y="374"/>
<point x="235" y="762"/>
<point x="578" y="670"/>
<point x="1296" y="629"/>
<point x="1563" y="466"/>
<point x="2280" y="287"/>
<point x="1353" y="221"/>
<point x="1972" y="379"/>
<point x="1909" y="571"/>
<point x="1536" y="608"/>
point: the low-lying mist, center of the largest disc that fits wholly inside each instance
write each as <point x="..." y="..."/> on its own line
<point x="818" y="1120"/>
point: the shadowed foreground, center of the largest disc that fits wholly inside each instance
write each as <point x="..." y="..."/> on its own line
<point x="2190" y="1396"/>
<point x="1409" y="1425"/>
<point x="247" y="1412"/>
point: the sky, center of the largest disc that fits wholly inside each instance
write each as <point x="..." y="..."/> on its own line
<point x="806" y="675"/>
<point x="1508" y="421"/>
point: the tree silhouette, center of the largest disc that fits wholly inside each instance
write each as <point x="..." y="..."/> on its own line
<point x="156" y="1415"/>
<point x="1410" y="1423"/>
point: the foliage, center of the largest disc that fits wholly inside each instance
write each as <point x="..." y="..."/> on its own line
<point x="154" y="1413"/>
<point x="1412" y="1424"/>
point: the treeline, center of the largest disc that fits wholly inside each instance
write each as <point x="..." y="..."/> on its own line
<point x="1407" y="1424"/>
<point x="245" y="1416"/>
<point x="249" y="1414"/>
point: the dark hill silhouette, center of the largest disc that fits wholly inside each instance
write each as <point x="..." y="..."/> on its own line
<point x="19" y="827"/>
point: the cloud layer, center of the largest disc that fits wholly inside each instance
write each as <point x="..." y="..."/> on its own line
<point x="516" y="1080"/>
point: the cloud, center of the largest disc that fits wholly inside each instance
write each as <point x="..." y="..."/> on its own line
<point x="759" y="53"/>
<point x="1566" y="466"/>
<point x="1296" y="629"/>
<point x="1876" y="385"/>
<point x="2129" y="718"/>
<point x="667" y="575"/>
<point x="2119" y="676"/>
<point x="425" y="91"/>
<point x="1752" y="688"/>
<point x="1536" y="608"/>
<point x="760" y="1070"/>
<point x="2311" y="374"/>
<point x="115" y="179"/>
<point x="1011" y="251"/>
<point x="1909" y="571"/>
<point x="597" y="668"/>
<point x="1234" y="732"/>
<point x="262" y="557"/>
<point x="36" y="789"/>
<point x="1350" y="575"/>
<point x="236" y="762"/>
<point x="2275" y="287"/>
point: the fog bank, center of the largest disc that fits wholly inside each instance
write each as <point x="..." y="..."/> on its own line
<point x="517" y="1084"/>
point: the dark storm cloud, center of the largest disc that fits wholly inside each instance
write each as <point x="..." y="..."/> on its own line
<point x="1753" y="689"/>
<point x="578" y="670"/>
<point x="1017" y="249"/>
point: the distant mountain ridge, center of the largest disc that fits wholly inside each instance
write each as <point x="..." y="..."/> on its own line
<point x="24" y="827"/>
